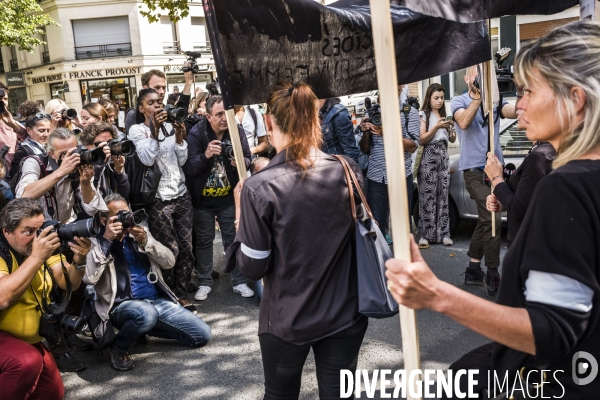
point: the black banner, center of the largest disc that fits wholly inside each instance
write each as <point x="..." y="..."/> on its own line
<point x="260" y="42"/>
<point x="477" y="10"/>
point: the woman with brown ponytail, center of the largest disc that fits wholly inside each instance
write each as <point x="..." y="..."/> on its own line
<point x="295" y="232"/>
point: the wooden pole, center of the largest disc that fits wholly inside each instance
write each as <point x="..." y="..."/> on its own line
<point x="387" y="80"/>
<point x="234" y="133"/>
<point x="489" y="106"/>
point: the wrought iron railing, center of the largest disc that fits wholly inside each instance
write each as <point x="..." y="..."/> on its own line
<point x="46" y="57"/>
<point x="14" y="65"/>
<point x="171" y="48"/>
<point x="103" y="50"/>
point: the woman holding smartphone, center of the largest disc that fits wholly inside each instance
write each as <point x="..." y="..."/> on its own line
<point x="433" y="176"/>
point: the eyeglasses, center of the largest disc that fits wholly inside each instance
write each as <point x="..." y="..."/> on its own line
<point x="39" y="116"/>
<point x="520" y="92"/>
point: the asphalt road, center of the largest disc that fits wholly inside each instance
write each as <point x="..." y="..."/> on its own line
<point x="229" y="366"/>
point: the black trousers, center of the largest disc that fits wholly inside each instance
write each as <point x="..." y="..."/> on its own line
<point x="283" y="362"/>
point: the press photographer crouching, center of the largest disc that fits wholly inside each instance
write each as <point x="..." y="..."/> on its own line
<point x="28" y="273"/>
<point x="140" y="303"/>
<point x="109" y="176"/>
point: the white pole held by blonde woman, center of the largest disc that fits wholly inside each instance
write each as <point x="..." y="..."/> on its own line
<point x="387" y="80"/>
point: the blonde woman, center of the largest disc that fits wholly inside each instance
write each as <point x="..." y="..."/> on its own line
<point x="547" y="313"/>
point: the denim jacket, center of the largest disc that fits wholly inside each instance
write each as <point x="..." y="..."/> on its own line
<point x="337" y="130"/>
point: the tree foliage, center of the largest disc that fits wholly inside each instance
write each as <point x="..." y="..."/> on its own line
<point x="20" y="21"/>
<point x="177" y="9"/>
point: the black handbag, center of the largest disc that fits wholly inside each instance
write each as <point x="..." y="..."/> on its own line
<point x="371" y="253"/>
<point x="143" y="180"/>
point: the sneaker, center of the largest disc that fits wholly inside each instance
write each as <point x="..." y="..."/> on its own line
<point x="492" y="283"/>
<point x="447" y="241"/>
<point x="423" y="243"/>
<point x="202" y="293"/>
<point x="120" y="361"/>
<point x="388" y="239"/>
<point x="243" y="290"/>
<point x="474" y="275"/>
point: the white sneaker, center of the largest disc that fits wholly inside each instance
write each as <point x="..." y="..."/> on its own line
<point x="447" y="241"/>
<point x="243" y="290"/>
<point x="423" y="243"/>
<point x="202" y="293"/>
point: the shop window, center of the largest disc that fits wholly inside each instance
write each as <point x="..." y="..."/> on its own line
<point x="114" y="40"/>
<point x="120" y="90"/>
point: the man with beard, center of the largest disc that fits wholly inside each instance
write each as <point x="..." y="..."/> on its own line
<point x="27" y="368"/>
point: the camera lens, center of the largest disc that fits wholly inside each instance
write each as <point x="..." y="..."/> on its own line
<point x="91" y="157"/>
<point x="70" y="323"/>
<point x="131" y="219"/>
<point x="69" y="113"/>
<point x="376" y="119"/>
<point x="84" y="228"/>
<point x="122" y="148"/>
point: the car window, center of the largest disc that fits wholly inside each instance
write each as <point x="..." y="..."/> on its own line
<point x="514" y="142"/>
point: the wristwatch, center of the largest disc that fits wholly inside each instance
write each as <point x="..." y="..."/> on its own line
<point x="78" y="267"/>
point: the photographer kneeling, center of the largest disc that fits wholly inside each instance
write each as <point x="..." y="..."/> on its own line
<point x="27" y="368"/>
<point x="140" y="303"/>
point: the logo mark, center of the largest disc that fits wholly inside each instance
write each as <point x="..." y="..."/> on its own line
<point x="580" y="367"/>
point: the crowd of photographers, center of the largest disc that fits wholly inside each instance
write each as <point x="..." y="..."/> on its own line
<point x="103" y="229"/>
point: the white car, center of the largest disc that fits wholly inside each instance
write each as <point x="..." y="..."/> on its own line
<point x="355" y="103"/>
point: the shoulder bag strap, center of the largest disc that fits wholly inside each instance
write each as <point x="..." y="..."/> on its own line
<point x="353" y="180"/>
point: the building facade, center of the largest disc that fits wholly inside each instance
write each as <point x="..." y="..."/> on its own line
<point x="101" y="49"/>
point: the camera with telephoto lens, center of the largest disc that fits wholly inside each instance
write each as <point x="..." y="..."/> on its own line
<point x="90" y="157"/>
<point x="191" y="57"/>
<point x="2" y="105"/>
<point x="374" y="111"/>
<point x="504" y="73"/>
<point x="68" y="114"/>
<point x="85" y="228"/>
<point x="227" y="149"/>
<point x="52" y="325"/>
<point x="131" y="219"/>
<point x="175" y="114"/>
<point x="123" y="147"/>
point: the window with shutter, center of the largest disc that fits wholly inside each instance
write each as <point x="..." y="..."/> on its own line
<point x="101" y="37"/>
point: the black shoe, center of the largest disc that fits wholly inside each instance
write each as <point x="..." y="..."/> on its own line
<point x="144" y="339"/>
<point x="78" y="344"/>
<point x="474" y="275"/>
<point x="120" y="361"/>
<point x="214" y="274"/>
<point x="191" y="288"/>
<point x="68" y="363"/>
<point x="492" y="283"/>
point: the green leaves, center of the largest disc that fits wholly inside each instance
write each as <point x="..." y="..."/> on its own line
<point x="20" y="20"/>
<point x="177" y="9"/>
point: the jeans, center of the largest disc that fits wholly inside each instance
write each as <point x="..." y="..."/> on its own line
<point x="283" y="362"/>
<point x="204" y="226"/>
<point x="377" y="196"/>
<point x="159" y="317"/>
<point x="483" y="245"/>
<point x="28" y="371"/>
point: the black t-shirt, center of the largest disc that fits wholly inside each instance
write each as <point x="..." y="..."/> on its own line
<point x="559" y="239"/>
<point x="218" y="190"/>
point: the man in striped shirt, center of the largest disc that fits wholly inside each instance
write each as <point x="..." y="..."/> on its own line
<point x="372" y="143"/>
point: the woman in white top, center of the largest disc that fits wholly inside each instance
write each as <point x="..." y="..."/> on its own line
<point x="170" y="216"/>
<point x="433" y="176"/>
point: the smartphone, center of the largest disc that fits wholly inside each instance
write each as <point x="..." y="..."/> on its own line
<point x="448" y="118"/>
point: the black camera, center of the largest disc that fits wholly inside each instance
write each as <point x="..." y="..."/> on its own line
<point x="413" y="102"/>
<point x="504" y="74"/>
<point x="90" y="157"/>
<point x="4" y="151"/>
<point x="212" y="89"/>
<point x="131" y="219"/>
<point x="374" y="111"/>
<point x="84" y="228"/>
<point x="52" y="325"/>
<point x="68" y="114"/>
<point x="191" y="57"/>
<point x="227" y="149"/>
<point x="123" y="147"/>
<point x="2" y="105"/>
<point x="175" y="114"/>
